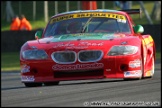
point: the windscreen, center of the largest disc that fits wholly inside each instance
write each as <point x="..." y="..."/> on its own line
<point x="87" y="23"/>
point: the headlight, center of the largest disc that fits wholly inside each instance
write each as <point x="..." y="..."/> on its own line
<point x="122" y="50"/>
<point x="34" y="54"/>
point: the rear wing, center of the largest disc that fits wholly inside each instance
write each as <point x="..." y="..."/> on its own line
<point x="133" y="11"/>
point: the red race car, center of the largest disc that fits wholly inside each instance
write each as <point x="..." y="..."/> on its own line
<point x="88" y="44"/>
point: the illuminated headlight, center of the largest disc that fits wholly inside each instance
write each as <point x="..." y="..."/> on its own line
<point x="34" y="54"/>
<point x="122" y="50"/>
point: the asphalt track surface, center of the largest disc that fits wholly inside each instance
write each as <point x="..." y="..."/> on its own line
<point x="82" y="93"/>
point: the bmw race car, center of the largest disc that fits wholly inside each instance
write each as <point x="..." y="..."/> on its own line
<point x="88" y="44"/>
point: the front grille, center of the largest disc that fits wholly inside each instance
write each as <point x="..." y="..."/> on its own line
<point x="83" y="56"/>
<point x="74" y="74"/>
<point x="90" y="55"/>
<point x="64" y="57"/>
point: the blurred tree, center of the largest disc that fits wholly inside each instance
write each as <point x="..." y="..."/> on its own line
<point x="56" y="7"/>
<point x="79" y="5"/>
<point x="46" y="11"/>
<point x="145" y="12"/>
<point x="122" y="4"/>
<point x="34" y="10"/>
<point x="156" y="11"/>
<point x="9" y="11"/>
<point x="67" y="6"/>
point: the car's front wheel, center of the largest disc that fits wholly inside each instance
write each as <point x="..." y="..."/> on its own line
<point x="32" y="84"/>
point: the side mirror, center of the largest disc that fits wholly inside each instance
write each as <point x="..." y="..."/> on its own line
<point x="138" y="29"/>
<point x="38" y="34"/>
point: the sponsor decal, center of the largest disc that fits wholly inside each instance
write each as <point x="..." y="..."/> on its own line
<point x="90" y="44"/>
<point x="25" y="68"/>
<point x="112" y="36"/>
<point x="136" y="73"/>
<point x="108" y="35"/>
<point x="134" y="64"/>
<point x="83" y="34"/>
<point x="80" y="45"/>
<point x="120" y="20"/>
<point x="119" y="35"/>
<point x="89" y="14"/>
<point x="27" y="78"/>
<point x="78" y="66"/>
<point x="148" y="41"/>
<point x="63" y="45"/>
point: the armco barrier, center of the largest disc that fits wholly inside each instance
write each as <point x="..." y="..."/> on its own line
<point x="11" y="41"/>
<point x="155" y="32"/>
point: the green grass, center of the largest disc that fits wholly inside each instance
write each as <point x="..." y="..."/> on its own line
<point x="10" y="61"/>
<point x="158" y="55"/>
<point x="27" y="10"/>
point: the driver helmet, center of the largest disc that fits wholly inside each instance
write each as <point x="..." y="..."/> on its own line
<point x="74" y="27"/>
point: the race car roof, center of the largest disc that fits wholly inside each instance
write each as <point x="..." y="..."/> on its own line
<point x="80" y="11"/>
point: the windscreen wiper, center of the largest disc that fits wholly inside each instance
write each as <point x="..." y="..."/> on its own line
<point x="83" y="29"/>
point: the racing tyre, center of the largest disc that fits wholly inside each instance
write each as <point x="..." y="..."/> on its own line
<point x="32" y="84"/>
<point x="51" y="83"/>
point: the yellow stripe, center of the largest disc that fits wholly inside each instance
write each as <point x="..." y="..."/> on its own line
<point x="150" y="45"/>
<point x="143" y="42"/>
<point x="148" y="73"/>
<point x="83" y="15"/>
<point x="147" y="41"/>
<point x="150" y="38"/>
